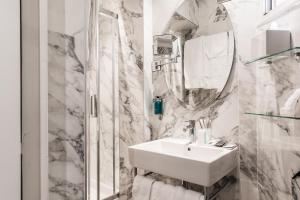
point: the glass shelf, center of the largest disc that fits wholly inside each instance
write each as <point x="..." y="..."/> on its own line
<point x="276" y="56"/>
<point x="272" y="116"/>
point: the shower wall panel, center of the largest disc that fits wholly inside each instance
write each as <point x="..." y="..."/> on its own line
<point x="130" y="92"/>
<point x="108" y="90"/>
<point x="66" y="97"/>
<point x="131" y="79"/>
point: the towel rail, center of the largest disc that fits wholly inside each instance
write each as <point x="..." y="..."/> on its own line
<point x="207" y="195"/>
<point x="229" y="181"/>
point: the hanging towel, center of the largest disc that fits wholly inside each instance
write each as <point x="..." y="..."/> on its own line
<point x="290" y="107"/>
<point x="141" y="189"/>
<point x="216" y="45"/>
<point x="193" y="63"/>
<point x="162" y="191"/>
<point x="192" y="195"/>
<point x="179" y="193"/>
<point x="206" y="59"/>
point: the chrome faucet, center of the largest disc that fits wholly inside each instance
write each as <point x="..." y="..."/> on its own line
<point x="191" y="129"/>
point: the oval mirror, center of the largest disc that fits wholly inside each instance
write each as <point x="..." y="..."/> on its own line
<point x="195" y="52"/>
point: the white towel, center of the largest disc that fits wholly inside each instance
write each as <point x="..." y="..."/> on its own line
<point x="290" y="107"/>
<point x="141" y="189"/>
<point x="217" y="45"/>
<point x="162" y="191"/>
<point x="179" y="193"/>
<point x="206" y="59"/>
<point x="193" y="63"/>
<point x="192" y="195"/>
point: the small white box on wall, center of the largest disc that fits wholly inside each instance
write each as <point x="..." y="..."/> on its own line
<point x="270" y="42"/>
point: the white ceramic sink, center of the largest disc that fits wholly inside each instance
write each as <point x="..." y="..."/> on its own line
<point x="203" y="165"/>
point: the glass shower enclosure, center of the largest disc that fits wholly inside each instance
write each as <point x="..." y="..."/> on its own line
<point x="102" y="164"/>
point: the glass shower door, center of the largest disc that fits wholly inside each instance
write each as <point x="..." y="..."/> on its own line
<point x="103" y="120"/>
<point x="108" y="106"/>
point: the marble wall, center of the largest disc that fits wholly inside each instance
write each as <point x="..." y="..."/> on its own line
<point x="174" y="113"/>
<point x="109" y="102"/>
<point x="268" y="149"/>
<point x="66" y="119"/>
<point x="66" y="99"/>
<point x="131" y="83"/>
<point x="277" y="139"/>
<point x="67" y="87"/>
<point x="223" y="112"/>
<point x="268" y="153"/>
<point x="106" y="72"/>
<point x="245" y="15"/>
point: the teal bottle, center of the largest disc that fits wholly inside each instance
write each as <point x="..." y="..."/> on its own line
<point x="158" y="105"/>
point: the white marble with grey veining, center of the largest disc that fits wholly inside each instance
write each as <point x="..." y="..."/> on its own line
<point x="268" y="155"/>
<point x="268" y="146"/>
<point x="223" y="112"/>
<point x="66" y="97"/>
<point x="244" y="15"/>
<point x="130" y="63"/>
<point x="278" y="140"/>
<point x="66" y="119"/>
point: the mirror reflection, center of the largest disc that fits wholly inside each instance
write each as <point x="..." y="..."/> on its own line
<point x="195" y="53"/>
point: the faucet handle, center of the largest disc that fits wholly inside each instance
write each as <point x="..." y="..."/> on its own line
<point x="191" y="122"/>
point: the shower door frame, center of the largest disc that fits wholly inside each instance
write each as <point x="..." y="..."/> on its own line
<point x="113" y="17"/>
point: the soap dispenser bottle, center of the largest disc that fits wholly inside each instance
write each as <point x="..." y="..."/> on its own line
<point x="158" y="106"/>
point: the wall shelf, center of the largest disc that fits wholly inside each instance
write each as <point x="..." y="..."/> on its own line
<point x="276" y="56"/>
<point x="272" y="116"/>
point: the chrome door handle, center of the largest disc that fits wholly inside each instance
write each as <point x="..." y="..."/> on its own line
<point x="93" y="108"/>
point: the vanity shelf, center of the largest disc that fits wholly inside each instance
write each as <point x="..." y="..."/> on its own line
<point x="272" y="116"/>
<point x="276" y="56"/>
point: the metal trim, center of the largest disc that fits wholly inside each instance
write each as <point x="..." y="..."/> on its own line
<point x="113" y="23"/>
<point x="222" y="1"/>
<point x="108" y="13"/>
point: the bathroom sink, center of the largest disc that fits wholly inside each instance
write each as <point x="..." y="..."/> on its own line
<point x="199" y="164"/>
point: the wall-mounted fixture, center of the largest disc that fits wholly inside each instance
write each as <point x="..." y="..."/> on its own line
<point x="222" y="1"/>
<point x="158" y="106"/>
<point x="271" y="42"/>
<point x="165" y="51"/>
<point x="163" y="45"/>
<point x="268" y="6"/>
<point x="158" y="64"/>
<point x="188" y="61"/>
<point x="191" y="128"/>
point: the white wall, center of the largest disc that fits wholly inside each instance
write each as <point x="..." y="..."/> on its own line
<point x="43" y="30"/>
<point x="10" y="100"/>
<point x="34" y="99"/>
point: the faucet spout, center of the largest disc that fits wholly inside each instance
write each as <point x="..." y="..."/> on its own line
<point x="191" y="130"/>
